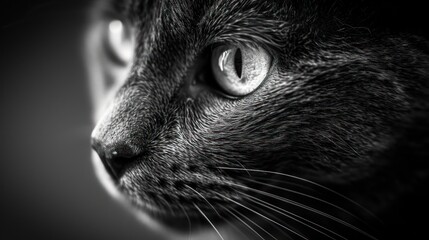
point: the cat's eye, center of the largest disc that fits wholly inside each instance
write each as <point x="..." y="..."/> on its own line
<point x="119" y="41"/>
<point x="240" y="70"/>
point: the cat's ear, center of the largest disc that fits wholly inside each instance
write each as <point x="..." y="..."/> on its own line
<point x="109" y="54"/>
<point x="119" y="42"/>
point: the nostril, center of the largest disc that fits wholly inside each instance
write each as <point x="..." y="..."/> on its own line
<point x="115" y="157"/>
<point x="117" y="165"/>
<point x="120" y="151"/>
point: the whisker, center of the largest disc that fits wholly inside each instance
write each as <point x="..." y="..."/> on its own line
<point x="208" y="220"/>
<point x="261" y="215"/>
<point x="257" y="225"/>
<point x="308" y="196"/>
<point x="294" y="203"/>
<point x="270" y="214"/>
<point x="290" y="214"/>
<point x="243" y="167"/>
<point x="226" y="220"/>
<point x="241" y="220"/>
<point x="307" y="181"/>
<point x="205" y="199"/>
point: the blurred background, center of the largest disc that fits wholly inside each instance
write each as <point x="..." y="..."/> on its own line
<point x="48" y="187"/>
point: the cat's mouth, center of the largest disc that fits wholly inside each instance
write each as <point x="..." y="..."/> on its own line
<point x="174" y="202"/>
<point x="178" y="202"/>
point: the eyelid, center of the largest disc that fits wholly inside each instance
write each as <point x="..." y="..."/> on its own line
<point x="269" y="49"/>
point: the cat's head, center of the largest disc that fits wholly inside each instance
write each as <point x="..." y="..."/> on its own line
<point x="220" y="102"/>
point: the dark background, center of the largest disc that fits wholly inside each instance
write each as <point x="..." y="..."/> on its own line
<point x="48" y="187"/>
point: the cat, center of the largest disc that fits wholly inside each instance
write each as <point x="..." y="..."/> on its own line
<point x="248" y="119"/>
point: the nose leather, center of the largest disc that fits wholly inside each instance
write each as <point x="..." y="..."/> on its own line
<point x="115" y="156"/>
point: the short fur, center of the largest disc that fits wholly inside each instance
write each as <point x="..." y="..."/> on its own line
<point x="345" y="106"/>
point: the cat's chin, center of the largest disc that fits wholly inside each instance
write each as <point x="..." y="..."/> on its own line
<point x="154" y="217"/>
<point x="179" y="227"/>
<point x="189" y="227"/>
<point x="180" y="221"/>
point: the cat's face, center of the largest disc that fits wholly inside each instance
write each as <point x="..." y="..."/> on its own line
<point x="221" y="104"/>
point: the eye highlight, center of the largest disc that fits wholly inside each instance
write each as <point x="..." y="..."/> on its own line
<point x="240" y="70"/>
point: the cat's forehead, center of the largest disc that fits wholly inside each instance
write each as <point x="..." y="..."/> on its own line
<point x="195" y="11"/>
<point x="198" y="7"/>
<point x="207" y="21"/>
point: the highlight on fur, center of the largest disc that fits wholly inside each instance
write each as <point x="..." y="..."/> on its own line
<point x="331" y="145"/>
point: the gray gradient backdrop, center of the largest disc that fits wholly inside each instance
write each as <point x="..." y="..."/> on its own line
<point x="48" y="188"/>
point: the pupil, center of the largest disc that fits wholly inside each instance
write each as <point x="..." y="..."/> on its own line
<point x="238" y="62"/>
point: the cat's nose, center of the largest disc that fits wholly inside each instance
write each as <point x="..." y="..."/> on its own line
<point x="115" y="156"/>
